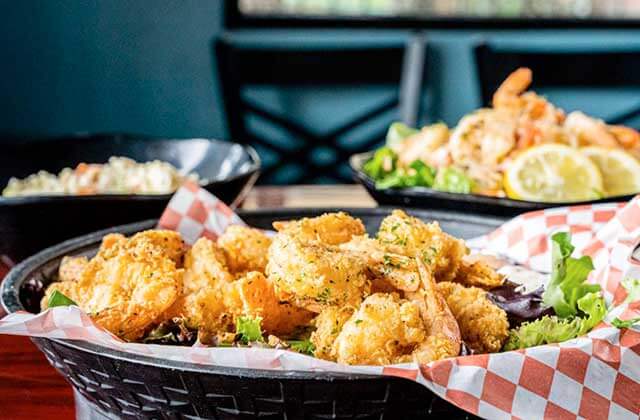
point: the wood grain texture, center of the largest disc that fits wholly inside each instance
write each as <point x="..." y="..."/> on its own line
<point x="30" y="388"/>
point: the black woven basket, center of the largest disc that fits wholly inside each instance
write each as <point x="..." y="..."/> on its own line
<point x="118" y="384"/>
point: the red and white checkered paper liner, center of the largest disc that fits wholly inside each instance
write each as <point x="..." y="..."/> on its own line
<point x="596" y="376"/>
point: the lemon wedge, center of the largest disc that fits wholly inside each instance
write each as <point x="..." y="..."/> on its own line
<point x="553" y="173"/>
<point x="620" y="170"/>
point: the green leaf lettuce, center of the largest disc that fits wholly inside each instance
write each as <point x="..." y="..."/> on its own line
<point x="59" y="299"/>
<point x="578" y="305"/>
<point x="249" y="329"/>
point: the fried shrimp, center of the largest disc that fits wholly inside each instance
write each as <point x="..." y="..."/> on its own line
<point x="475" y="272"/>
<point x="129" y="290"/>
<point x="387" y="329"/>
<point x="384" y="330"/>
<point x="205" y="267"/>
<point x="409" y="236"/>
<point x="329" y="229"/>
<point x="443" y="339"/>
<point x="314" y="276"/>
<point x="245" y="248"/>
<point x="253" y="296"/>
<point x="205" y="278"/>
<point x="388" y="271"/>
<point x="328" y="324"/>
<point x="166" y="243"/>
<point x="484" y="326"/>
<point x="71" y="268"/>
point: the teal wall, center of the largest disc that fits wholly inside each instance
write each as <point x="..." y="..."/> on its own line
<point x="94" y="65"/>
<point x="146" y="66"/>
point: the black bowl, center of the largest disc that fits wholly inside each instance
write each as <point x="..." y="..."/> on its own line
<point x="129" y="385"/>
<point x="423" y="197"/>
<point x="29" y="224"/>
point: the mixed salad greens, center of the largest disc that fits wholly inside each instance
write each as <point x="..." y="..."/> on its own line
<point x="578" y="305"/>
<point x="383" y="168"/>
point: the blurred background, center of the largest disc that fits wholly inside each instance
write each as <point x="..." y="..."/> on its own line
<point x="307" y="82"/>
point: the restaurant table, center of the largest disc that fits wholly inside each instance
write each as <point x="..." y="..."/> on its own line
<point x="30" y="388"/>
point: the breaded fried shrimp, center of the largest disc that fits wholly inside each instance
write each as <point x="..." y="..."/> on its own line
<point x="483" y="325"/>
<point x="246" y="249"/>
<point x="406" y="235"/>
<point x="329" y="229"/>
<point x="314" y="276"/>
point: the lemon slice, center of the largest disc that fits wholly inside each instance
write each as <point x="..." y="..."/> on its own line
<point x="553" y="173"/>
<point x="620" y="170"/>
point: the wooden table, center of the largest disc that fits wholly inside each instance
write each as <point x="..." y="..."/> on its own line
<point x="31" y="389"/>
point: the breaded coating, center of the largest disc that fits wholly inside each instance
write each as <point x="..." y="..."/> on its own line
<point x="330" y="228"/>
<point x="328" y="325"/>
<point x="205" y="278"/>
<point x="384" y="330"/>
<point x="406" y="235"/>
<point x="484" y="326"/>
<point x="387" y="329"/>
<point x="165" y="243"/>
<point x="203" y="310"/>
<point x="313" y="276"/>
<point x="475" y="272"/>
<point x="71" y="268"/>
<point x="253" y="296"/>
<point x="111" y="245"/>
<point x="129" y="291"/>
<point x="388" y="271"/>
<point x="205" y="267"/>
<point x="444" y="339"/>
<point x="246" y="249"/>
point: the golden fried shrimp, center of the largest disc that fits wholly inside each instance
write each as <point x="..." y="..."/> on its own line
<point x="475" y="272"/>
<point x="313" y="276"/>
<point x="201" y="300"/>
<point x="483" y="325"/>
<point x="406" y="235"/>
<point x="387" y="329"/>
<point x="128" y="293"/>
<point x="330" y="228"/>
<point x="389" y="271"/>
<point x="328" y="324"/>
<point x="111" y="245"/>
<point x="71" y="268"/>
<point x="246" y="249"/>
<point x="205" y="267"/>
<point x="384" y="330"/>
<point x="443" y="339"/>
<point x="203" y="310"/>
<point x="254" y="296"/>
<point x="130" y="284"/>
<point x="166" y="243"/>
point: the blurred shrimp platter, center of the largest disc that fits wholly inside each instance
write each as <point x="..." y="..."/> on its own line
<point x="523" y="147"/>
